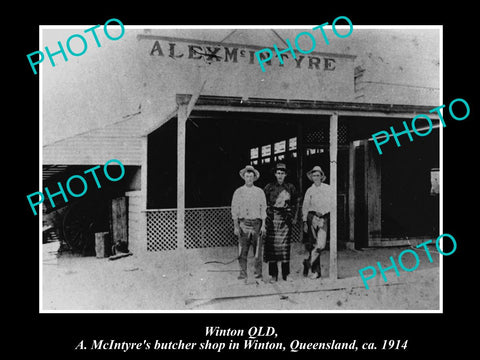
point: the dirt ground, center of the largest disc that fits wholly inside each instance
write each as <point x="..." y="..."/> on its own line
<point x="194" y="280"/>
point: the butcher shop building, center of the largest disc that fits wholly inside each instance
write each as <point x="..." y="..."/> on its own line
<point x="209" y="110"/>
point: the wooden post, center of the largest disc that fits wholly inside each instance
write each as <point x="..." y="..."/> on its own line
<point x="182" y="102"/>
<point x="333" y="184"/>
<point x="351" y="196"/>
<point x="373" y="186"/>
<point x="300" y="155"/>
<point x="141" y="238"/>
<point x="143" y="172"/>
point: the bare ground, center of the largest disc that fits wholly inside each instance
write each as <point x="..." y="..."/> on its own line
<point x="190" y="281"/>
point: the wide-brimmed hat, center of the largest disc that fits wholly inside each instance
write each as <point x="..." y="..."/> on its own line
<point x="315" y="169"/>
<point x="280" y="166"/>
<point x="249" y="168"/>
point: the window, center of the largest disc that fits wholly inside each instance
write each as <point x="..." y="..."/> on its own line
<point x="278" y="151"/>
<point x="266" y="150"/>
<point x="312" y="151"/>
<point x="254" y="153"/>
<point x="279" y="147"/>
<point x="292" y="144"/>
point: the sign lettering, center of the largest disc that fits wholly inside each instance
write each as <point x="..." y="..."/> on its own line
<point x="216" y="53"/>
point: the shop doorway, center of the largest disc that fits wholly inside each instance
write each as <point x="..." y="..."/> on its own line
<point x="395" y="196"/>
<point x="218" y="145"/>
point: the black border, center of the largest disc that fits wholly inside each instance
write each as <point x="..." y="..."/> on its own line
<point x="429" y="334"/>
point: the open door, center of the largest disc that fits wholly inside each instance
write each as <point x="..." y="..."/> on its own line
<point x="365" y="203"/>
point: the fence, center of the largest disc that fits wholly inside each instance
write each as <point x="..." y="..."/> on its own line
<point x="204" y="227"/>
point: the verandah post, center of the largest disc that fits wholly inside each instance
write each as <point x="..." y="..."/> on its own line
<point x="182" y="101"/>
<point x="333" y="183"/>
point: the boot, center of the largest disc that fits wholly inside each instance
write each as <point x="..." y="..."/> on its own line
<point x="273" y="271"/>
<point x="306" y="267"/>
<point x="243" y="268"/>
<point x="243" y="275"/>
<point x="316" y="268"/>
<point x="285" y="270"/>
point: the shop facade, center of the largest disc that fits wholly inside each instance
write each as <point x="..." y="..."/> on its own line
<point x="212" y="111"/>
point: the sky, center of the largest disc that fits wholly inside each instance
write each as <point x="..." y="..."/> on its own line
<point x="107" y="83"/>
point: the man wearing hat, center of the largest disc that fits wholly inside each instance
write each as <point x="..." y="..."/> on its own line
<point x="317" y="204"/>
<point x="281" y="211"/>
<point x="248" y="214"/>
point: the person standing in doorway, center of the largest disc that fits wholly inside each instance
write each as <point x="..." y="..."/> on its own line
<point x="317" y="204"/>
<point x="282" y="209"/>
<point x="248" y="214"/>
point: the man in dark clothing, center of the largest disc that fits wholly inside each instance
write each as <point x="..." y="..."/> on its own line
<point x="281" y="212"/>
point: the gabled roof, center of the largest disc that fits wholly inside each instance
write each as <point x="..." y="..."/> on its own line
<point x="121" y="140"/>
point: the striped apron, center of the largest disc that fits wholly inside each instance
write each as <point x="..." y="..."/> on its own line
<point x="278" y="238"/>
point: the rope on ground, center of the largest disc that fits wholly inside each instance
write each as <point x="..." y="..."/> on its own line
<point x="221" y="262"/>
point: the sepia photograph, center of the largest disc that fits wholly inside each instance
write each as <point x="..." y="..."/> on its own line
<point x="241" y="168"/>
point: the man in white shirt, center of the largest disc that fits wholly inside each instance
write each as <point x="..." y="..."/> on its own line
<point x="317" y="204"/>
<point x="248" y="213"/>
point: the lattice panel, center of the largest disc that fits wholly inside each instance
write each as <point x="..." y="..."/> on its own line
<point x="316" y="137"/>
<point x="342" y="133"/>
<point x="161" y="230"/>
<point x="321" y="136"/>
<point x="209" y="227"/>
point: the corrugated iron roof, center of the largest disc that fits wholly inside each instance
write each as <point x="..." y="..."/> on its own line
<point x="121" y="140"/>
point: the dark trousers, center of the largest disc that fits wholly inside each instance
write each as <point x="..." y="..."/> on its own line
<point x="250" y="237"/>
<point x="273" y="269"/>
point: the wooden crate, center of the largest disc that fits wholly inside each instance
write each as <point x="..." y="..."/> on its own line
<point x="102" y="245"/>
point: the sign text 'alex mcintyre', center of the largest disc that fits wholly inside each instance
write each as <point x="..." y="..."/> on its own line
<point x="217" y="52"/>
<point x="182" y="50"/>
